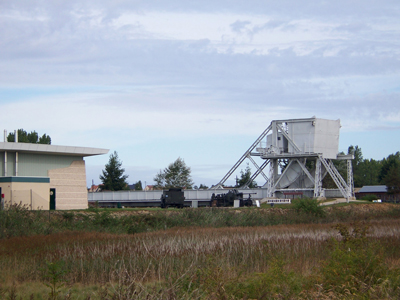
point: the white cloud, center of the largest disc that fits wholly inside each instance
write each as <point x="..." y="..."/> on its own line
<point x="130" y="74"/>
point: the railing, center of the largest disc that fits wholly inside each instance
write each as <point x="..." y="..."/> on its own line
<point x="279" y="201"/>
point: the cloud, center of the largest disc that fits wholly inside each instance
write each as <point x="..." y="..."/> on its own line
<point x="239" y="26"/>
<point x="195" y="76"/>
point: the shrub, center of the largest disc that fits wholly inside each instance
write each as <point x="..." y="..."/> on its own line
<point x="369" y="197"/>
<point x="309" y="206"/>
<point x="356" y="262"/>
<point x="54" y="277"/>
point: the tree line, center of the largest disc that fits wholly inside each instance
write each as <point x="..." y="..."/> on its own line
<point x="376" y="172"/>
<point x="31" y="137"/>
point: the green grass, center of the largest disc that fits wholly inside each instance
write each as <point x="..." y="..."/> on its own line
<point x="18" y="221"/>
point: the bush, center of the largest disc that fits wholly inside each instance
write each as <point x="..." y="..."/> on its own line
<point x="369" y="197"/>
<point x="19" y="220"/>
<point x="356" y="263"/>
<point x="309" y="206"/>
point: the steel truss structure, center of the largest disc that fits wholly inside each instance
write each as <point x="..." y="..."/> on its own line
<point x="304" y="151"/>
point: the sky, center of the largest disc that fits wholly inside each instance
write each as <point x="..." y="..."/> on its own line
<point x="200" y="80"/>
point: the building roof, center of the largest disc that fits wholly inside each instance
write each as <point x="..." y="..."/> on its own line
<point x="373" y="189"/>
<point x="51" y="149"/>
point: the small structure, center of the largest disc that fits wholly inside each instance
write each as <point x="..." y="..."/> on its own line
<point x="44" y="176"/>
<point x="380" y="191"/>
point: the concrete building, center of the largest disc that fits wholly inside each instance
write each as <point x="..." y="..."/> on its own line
<point x="44" y="176"/>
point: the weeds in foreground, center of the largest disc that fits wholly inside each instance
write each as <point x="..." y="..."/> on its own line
<point x="278" y="262"/>
<point x="53" y="277"/>
<point x="18" y="220"/>
<point x="200" y="258"/>
<point x="356" y="263"/>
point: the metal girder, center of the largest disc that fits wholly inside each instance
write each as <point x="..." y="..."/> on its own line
<point x="318" y="179"/>
<point x="270" y="184"/>
<point x="259" y="170"/>
<point x="288" y="138"/>
<point x="284" y="172"/>
<point x="337" y="178"/>
<point x="305" y="170"/>
<point x="244" y="156"/>
<point x="350" y="180"/>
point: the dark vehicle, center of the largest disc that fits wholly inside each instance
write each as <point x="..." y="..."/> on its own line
<point x="224" y="200"/>
<point x="172" y="198"/>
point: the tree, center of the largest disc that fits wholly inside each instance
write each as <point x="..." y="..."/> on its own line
<point x="245" y="177"/>
<point x="113" y="178"/>
<point x="32" y="137"/>
<point x="356" y="164"/>
<point x="176" y="175"/>
<point x="387" y="163"/>
<point x="138" y="186"/>
<point x="159" y="179"/>
<point x="392" y="180"/>
<point x="367" y="173"/>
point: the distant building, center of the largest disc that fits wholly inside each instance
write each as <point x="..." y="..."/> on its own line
<point x="94" y="189"/>
<point x="380" y="191"/>
<point x="44" y="176"/>
<point x="149" y="188"/>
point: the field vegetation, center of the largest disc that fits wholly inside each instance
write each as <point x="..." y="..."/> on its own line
<point x="301" y="252"/>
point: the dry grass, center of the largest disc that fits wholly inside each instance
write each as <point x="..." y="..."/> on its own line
<point x="180" y="257"/>
<point x="196" y="256"/>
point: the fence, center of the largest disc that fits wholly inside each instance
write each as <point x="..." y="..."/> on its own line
<point x="189" y="195"/>
<point x="156" y="195"/>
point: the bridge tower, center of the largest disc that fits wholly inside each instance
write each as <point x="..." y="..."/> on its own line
<point x="299" y="153"/>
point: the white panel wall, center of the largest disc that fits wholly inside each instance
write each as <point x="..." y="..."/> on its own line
<point x="155" y="195"/>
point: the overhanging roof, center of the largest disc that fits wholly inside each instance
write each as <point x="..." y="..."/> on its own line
<point x="51" y="149"/>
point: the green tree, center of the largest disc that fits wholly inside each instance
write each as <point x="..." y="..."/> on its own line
<point x="367" y="173"/>
<point x="160" y="181"/>
<point x="176" y="175"/>
<point x="392" y="180"/>
<point x="391" y="161"/>
<point x="138" y="186"/>
<point x="203" y="186"/>
<point x="113" y="178"/>
<point x="245" y="178"/>
<point x="32" y="137"/>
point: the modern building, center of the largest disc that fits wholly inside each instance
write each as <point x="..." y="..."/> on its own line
<point x="44" y="176"/>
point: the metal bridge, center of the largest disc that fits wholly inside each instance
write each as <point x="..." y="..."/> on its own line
<point x="304" y="149"/>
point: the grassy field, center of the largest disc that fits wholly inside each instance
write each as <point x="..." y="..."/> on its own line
<point x="301" y="252"/>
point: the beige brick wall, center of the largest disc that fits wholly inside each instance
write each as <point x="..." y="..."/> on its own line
<point x="70" y="185"/>
<point x="33" y="195"/>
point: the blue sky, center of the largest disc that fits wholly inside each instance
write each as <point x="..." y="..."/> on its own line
<point x="200" y="80"/>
